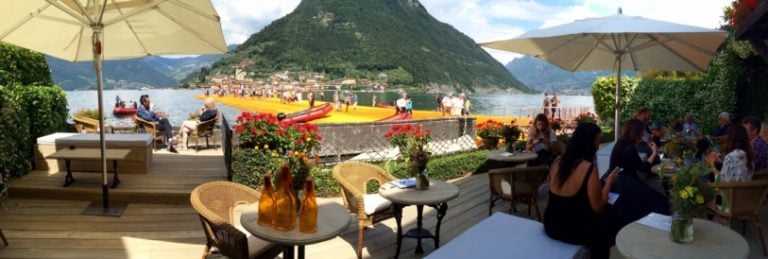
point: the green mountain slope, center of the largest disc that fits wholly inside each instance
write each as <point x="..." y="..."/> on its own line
<point x="362" y="38"/>
<point x="542" y="76"/>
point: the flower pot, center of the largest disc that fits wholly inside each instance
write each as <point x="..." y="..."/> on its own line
<point x="681" y="231"/>
<point x="490" y="143"/>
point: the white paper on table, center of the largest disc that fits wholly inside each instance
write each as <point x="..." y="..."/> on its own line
<point x="404" y="183"/>
<point x="612" y="197"/>
<point x="658" y="221"/>
<point x="507" y="154"/>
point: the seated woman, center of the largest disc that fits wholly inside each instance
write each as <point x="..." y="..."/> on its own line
<point x="576" y="197"/>
<point x="207" y="112"/>
<point x="738" y="163"/>
<point x="540" y="139"/>
<point x="636" y="199"/>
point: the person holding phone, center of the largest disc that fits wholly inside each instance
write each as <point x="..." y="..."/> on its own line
<point x="576" y="196"/>
<point x="636" y="199"/>
<point x="540" y="138"/>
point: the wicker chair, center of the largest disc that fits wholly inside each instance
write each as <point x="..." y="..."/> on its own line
<point x="204" y="129"/>
<point x="86" y="125"/>
<point x="745" y="199"/>
<point x="5" y="241"/>
<point x="517" y="185"/>
<point x="353" y="178"/>
<point x="214" y="202"/>
<point x="150" y="128"/>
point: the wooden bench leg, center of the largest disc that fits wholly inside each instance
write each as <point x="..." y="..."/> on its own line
<point x="115" y="179"/>
<point x="5" y="241"/>
<point x="68" y="179"/>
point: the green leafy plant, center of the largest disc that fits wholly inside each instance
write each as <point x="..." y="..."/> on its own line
<point x="604" y="95"/>
<point x="88" y="113"/>
<point x="690" y="191"/>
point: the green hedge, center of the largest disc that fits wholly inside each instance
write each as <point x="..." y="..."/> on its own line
<point x="671" y="98"/>
<point x="604" y="96"/>
<point x="14" y="135"/>
<point x="20" y="66"/>
<point x="26" y="113"/>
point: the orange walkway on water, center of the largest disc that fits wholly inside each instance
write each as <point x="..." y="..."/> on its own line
<point x="362" y="114"/>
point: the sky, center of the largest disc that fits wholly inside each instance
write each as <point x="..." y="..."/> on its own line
<point x="489" y="20"/>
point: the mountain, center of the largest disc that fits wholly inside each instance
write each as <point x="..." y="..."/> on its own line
<point x="152" y="72"/>
<point x="539" y="75"/>
<point x="542" y="76"/>
<point x="370" y="39"/>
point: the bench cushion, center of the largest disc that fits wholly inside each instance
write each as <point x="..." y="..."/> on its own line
<point x="256" y="246"/>
<point x="505" y="236"/>
<point x="87" y="139"/>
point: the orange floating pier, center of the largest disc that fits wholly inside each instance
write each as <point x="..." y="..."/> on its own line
<point x="347" y="114"/>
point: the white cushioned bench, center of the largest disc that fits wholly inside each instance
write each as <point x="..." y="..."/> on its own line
<point x="138" y="160"/>
<point x="505" y="236"/>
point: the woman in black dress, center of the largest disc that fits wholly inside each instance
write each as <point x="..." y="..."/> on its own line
<point x="576" y="197"/>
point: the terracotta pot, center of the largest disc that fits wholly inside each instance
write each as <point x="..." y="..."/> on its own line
<point x="490" y="143"/>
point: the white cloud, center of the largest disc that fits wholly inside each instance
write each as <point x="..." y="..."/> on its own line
<point x="241" y="18"/>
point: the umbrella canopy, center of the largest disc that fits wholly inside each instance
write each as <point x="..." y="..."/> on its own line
<point x="131" y="28"/>
<point x="616" y="42"/>
<point x="78" y="30"/>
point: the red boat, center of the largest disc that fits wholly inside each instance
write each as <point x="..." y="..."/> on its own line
<point x="308" y="114"/>
<point x="123" y="110"/>
<point x="403" y="116"/>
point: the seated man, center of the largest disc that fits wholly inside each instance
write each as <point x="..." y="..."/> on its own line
<point x="208" y="112"/>
<point x="159" y="118"/>
<point x="723" y="121"/>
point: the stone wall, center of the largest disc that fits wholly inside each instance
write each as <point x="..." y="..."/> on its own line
<point x="354" y="138"/>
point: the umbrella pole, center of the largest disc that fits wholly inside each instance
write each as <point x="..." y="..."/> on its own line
<point x="617" y="107"/>
<point x="105" y="209"/>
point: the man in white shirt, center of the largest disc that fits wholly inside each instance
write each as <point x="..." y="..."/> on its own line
<point x="447" y="104"/>
<point x="400" y="103"/>
<point x="457" y="104"/>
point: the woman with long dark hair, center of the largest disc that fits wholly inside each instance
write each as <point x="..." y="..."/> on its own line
<point x="625" y="153"/>
<point x="635" y="198"/>
<point x="738" y="163"/>
<point x="576" y="197"/>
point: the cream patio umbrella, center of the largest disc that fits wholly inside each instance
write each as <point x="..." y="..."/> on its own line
<point x="81" y="30"/>
<point x="616" y="42"/>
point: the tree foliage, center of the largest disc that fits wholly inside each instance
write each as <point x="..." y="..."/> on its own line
<point x="22" y="66"/>
<point x="604" y="95"/>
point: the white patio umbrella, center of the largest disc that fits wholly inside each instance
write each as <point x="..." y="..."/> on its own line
<point x="80" y="30"/>
<point x="616" y="42"/>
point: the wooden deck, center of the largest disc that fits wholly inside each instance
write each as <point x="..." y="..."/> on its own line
<point x="54" y="228"/>
<point x="171" y="179"/>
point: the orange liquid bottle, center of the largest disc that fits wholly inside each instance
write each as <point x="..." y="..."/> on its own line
<point x="308" y="214"/>
<point x="285" y="201"/>
<point x="267" y="203"/>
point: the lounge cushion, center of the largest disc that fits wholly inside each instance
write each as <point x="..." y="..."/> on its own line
<point x="256" y="246"/>
<point x="505" y="236"/>
<point x="92" y="139"/>
<point x="375" y="203"/>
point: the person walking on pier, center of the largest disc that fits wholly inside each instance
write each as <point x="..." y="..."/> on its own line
<point x="545" y="105"/>
<point x="553" y="102"/>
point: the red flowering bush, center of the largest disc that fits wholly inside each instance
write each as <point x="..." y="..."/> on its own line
<point x="264" y="131"/>
<point x="408" y="138"/>
<point x="490" y="129"/>
<point x="741" y="10"/>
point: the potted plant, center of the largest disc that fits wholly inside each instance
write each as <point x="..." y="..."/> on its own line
<point x="489" y="132"/>
<point x="689" y="194"/>
<point x="511" y="136"/>
<point x="411" y="141"/>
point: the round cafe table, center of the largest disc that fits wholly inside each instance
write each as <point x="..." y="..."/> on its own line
<point x="437" y="196"/>
<point x="332" y="219"/>
<point x="711" y="240"/>
<point x="517" y="157"/>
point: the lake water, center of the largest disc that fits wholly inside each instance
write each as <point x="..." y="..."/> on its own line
<point x="179" y="103"/>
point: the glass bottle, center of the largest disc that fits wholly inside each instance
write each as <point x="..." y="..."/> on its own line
<point x="285" y="201"/>
<point x="267" y="203"/>
<point x="308" y="214"/>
